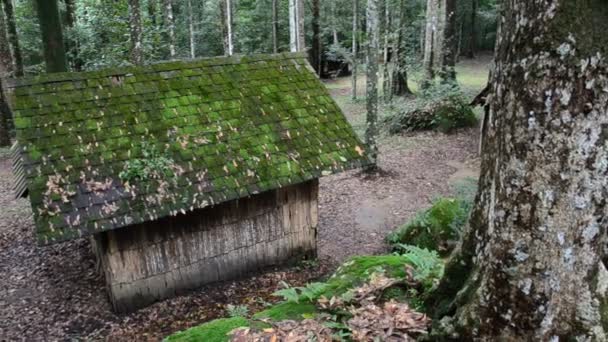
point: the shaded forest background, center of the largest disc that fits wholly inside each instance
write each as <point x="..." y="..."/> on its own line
<point x="97" y="33"/>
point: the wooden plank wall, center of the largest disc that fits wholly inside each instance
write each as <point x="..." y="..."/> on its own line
<point x="149" y="262"/>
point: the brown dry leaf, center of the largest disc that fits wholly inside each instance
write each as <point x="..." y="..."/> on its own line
<point x="391" y="322"/>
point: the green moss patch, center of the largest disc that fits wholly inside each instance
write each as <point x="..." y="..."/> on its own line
<point x="214" y="331"/>
<point x="287" y="311"/>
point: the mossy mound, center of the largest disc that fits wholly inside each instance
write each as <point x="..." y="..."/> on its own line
<point x="436" y="228"/>
<point x="214" y="331"/>
<point x="287" y="311"/>
<point x="352" y="273"/>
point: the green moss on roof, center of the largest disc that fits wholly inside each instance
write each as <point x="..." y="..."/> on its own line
<point x="231" y="127"/>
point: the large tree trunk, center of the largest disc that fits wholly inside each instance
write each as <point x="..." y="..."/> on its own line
<point x="5" y="66"/>
<point x="448" y="71"/>
<point x="315" y="51"/>
<point x="531" y="264"/>
<point x="399" y="78"/>
<point x="52" y="36"/>
<point x="373" y="45"/>
<point x="170" y="25"/>
<point x="13" y="38"/>
<point x="296" y="25"/>
<point x="354" y="48"/>
<point x="275" y="26"/>
<point x="137" y="54"/>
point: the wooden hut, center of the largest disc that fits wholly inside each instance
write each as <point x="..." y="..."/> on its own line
<point x="183" y="173"/>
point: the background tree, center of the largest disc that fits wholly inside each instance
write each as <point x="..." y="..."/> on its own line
<point x="191" y="30"/>
<point x="429" y="42"/>
<point x="275" y="26"/>
<point x="296" y="25"/>
<point x="5" y="67"/>
<point x="355" y="33"/>
<point x="531" y="265"/>
<point x="170" y="26"/>
<point x="137" y="56"/>
<point x="52" y="36"/>
<point x="227" y="29"/>
<point x="472" y="40"/>
<point x="448" y="71"/>
<point x="13" y="39"/>
<point x="315" y="50"/>
<point x="373" y="45"/>
<point x="399" y="78"/>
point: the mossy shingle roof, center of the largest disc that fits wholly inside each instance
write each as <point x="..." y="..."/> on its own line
<point x="107" y="149"/>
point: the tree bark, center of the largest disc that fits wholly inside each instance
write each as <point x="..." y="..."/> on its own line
<point x="373" y="45"/>
<point x="275" y="26"/>
<point x="52" y="36"/>
<point x="448" y="71"/>
<point x="137" y="55"/>
<point x="399" y="78"/>
<point x="531" y="265"/>
<point x="354" y="48"/>
<point x="315" y="51"/>
<point x="6" y="64"/>
<point x="170" y="24"/>
<point x="13" y="38"/>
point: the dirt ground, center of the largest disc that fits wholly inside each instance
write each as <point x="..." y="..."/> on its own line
<point x="55" y="293"/>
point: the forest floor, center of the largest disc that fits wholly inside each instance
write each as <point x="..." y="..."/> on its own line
<point x="55" y="293"/>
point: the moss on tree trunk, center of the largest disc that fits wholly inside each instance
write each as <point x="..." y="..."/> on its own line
<point x="530" y="265"/>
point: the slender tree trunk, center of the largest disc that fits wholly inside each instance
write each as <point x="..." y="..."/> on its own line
<point x="386" y="79"/>
<point x="170" y="24"/>
<point x="438" y="44"/>
<point x="448" y="71"/>
<point x="399" y="79"/>
<point x="191" y="30"/>
<point x="52" y="36"/>
<point x="296" y="25"/>
<point x="472" y="46"/>
<point x="275" y="26"/>
<point x="226" y="8"/>
<point x="532" y="264"/>
<point x="373" y="45"/>
<point x="315" y="51"/>
<point x="354" y="48"/>
<point x="334" y="28"/>
<point x="429" y="42"/>
<point x="137" y="54"/>
<point x="6" y="64"/>
<point x="13" y="38"/>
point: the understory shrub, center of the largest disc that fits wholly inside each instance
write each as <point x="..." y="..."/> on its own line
<point x="442" y="107"/>
<point x="440" y="226"/>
